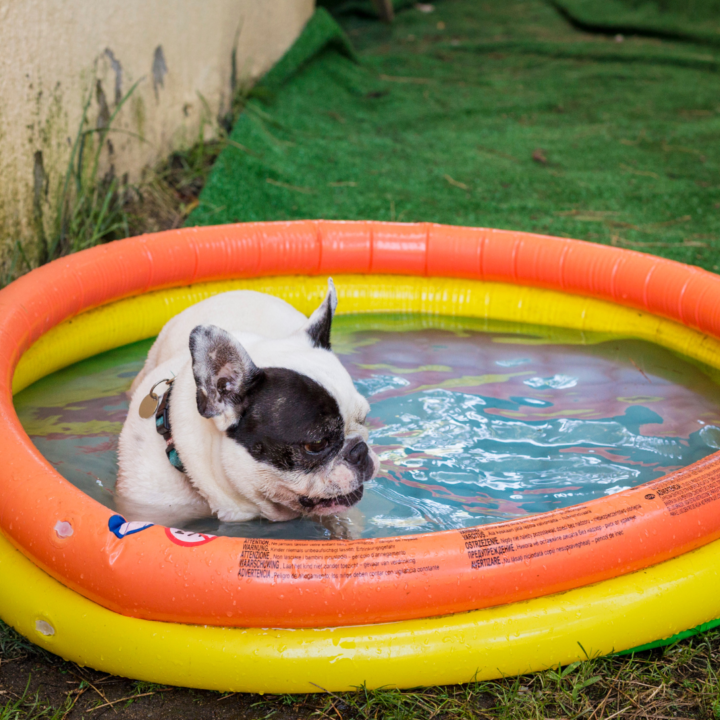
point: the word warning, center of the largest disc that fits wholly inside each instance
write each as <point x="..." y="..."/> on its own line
<point x="283" y="560"/>
<point x="517" y="542"/>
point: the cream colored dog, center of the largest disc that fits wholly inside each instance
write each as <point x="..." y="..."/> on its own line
<point x="258" y="417"/>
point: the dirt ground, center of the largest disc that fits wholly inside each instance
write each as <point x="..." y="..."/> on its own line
<point x="38" y="686"/>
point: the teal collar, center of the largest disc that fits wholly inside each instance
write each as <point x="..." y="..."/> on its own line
<point x="162" y="425"/>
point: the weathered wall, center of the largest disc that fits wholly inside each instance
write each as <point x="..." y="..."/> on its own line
<point x="55" y="54"/>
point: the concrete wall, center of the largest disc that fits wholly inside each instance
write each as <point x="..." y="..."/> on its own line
<point x="55" y="54"/>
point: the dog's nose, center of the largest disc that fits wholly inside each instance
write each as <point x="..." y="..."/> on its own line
<point x="357" y="453"/>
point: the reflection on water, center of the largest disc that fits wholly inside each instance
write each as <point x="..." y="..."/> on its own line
<point x="473" y="423"/>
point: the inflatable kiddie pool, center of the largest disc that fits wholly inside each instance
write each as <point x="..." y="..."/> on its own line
<point x="258" y="615"/>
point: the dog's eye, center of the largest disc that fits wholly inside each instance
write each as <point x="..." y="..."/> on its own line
<point x="316" y="447"/>
<point x="223" y="385"/>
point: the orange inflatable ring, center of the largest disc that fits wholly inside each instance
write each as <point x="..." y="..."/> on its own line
<point x="154" y="574"/>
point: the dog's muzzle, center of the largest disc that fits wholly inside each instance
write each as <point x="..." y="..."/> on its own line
<point x="357" y="456"/>
<point x="341" y="500"/>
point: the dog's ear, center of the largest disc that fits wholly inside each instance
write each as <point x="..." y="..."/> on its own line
<point x="320" y="323"/>
<point x="223" y="374"/>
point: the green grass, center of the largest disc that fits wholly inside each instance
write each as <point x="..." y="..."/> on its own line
<point x="91" y="208"/>
<point x="13" y="645"/>
<point x="30" y="707"/>
<point x="170" y="191"/>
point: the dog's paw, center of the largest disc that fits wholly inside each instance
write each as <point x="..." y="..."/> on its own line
<point x="280" y="514"/>
<point x="235" y="516"/>
<point x="274" y="513"/>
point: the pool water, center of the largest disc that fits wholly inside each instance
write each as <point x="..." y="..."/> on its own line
<point x="474" y="421"/>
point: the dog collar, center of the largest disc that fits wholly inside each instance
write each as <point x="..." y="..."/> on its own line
<point x="162" y="425"/>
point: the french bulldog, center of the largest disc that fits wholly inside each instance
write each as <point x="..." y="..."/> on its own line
<point x="258" y="417"/>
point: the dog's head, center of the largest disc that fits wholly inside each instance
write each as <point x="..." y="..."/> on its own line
<point x="292" y="422"/>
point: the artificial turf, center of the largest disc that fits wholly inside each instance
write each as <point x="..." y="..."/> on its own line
<point x="495" y="114"/>
<point x="696" y="21"/>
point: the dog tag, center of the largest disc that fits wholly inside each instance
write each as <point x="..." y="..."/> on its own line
<point x="149" y="405"/>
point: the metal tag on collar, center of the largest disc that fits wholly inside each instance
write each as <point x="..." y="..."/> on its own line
<point x="150" y="402"/>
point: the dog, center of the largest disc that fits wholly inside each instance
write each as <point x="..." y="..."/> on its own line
<point x="243" y="411"/>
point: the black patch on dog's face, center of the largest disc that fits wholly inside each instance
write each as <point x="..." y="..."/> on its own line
<point x="287" y="411"/>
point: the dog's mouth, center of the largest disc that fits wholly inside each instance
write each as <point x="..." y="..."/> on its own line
<point x="338" y="501"/>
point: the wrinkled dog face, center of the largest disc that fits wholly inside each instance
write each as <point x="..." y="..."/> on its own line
<point x="294" y="426"/>
<point x="307" y="456"/>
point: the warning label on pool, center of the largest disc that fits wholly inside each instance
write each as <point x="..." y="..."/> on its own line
<point x="682" y="494"/>
<point x="612" y="533"/>
<point x="516" y="542"/>
<point x="336" y="561"/>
